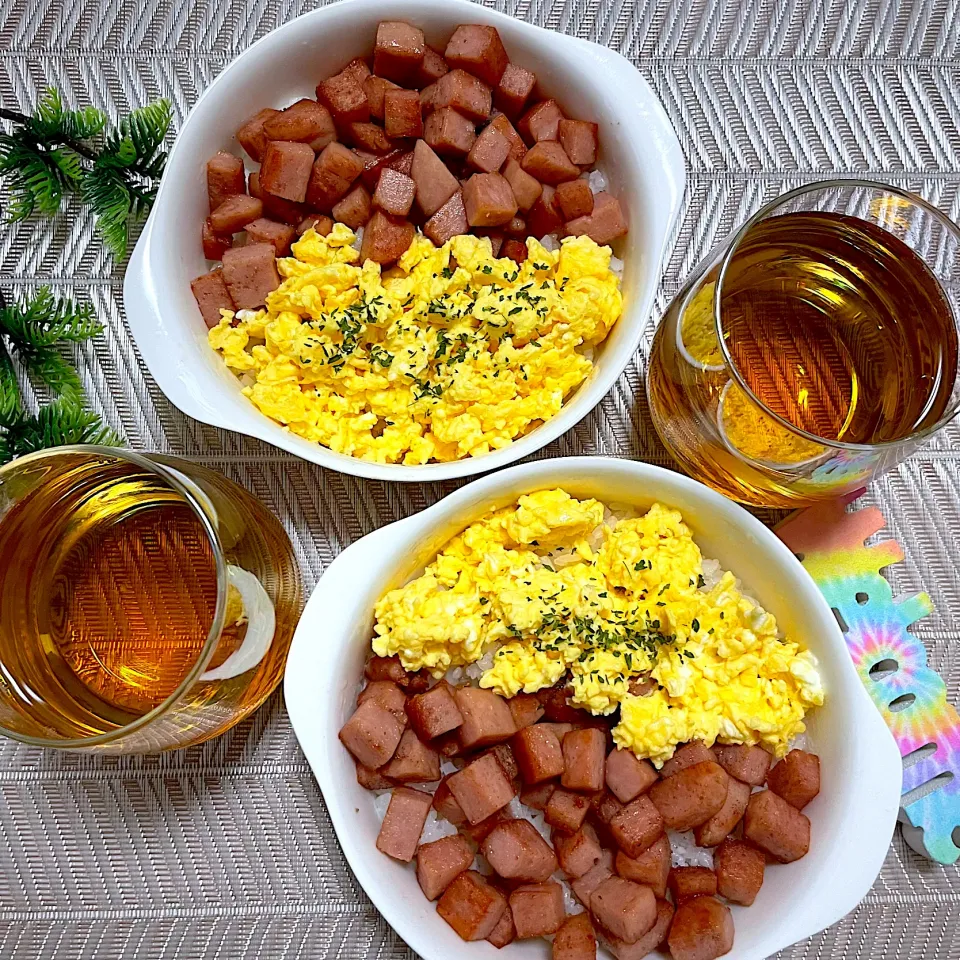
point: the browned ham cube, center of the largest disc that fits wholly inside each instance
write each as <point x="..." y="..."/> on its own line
<point x="435" y="183"/>
<point x="526" y="189"/>
<point x="472" y="906"/>
<point x="375" y="88"/>
<point x="401" y="113"/>
<point x="749" y="764"/>
<point x="250" y="273"/>
<point x="344" y="96"/>
<point x="537" y="797"/>
<point x="690" y="753"/>
<point x="321" y="224"/>
<point x="515" y="250"/>
<point x="482" y="788"/>
<point x="579" y="139"/>
<point x="479" y="50"/>
<point x="269" y="231"/>
<point x="578" y="852"/>
<point x="465" y="93"/>
<point x="636" y="826"/>
<point x="547" y="162"/>
<point x="276" y="208"/>
<point x="428" y="101"/>
<point x="225" y="178"/>
<point x="740" y="870"/>
<point x="369" y="137"/>
<point x="575" y="940"/>
<point x="649" y="942"/>
<point x="489" y="152"/>
<point x="525" y="707"/>
<point x="544" y="216"/>
<point x="566" y="810"/>
<point x="504" y="754"/>
<point x="539" y="754"/>
<point x="516" y="851"/>
<point x="514" y="90"/>
<point x="796" y="778"/>
<point x="537" y="909"/>
<point x="388" y="695"/>
<point x="379" y="668"/>
<point x="504" y="932"/>
<point x="501" y="123"/>
<point x="234" y="214"/>
<point x="604" y="225"/>
<point x="685" y="883"/>
<point x="651" y="868"/>
<point x="584" y="885"/>
<point x="413" y="762"/>
<point x="709" y="834"/>
<point x="575" y="199"/>
<point x="495" y="238"/>
<point x="449" y="133"/>
<point x="445" y="803"/>
<point x="486" y="718"/>
<point x="325" y="188"/>
<point x="627" y="776"/>
<point x="439" y="863"/>
<point x="354" y="209"/>
<point x="692" y="796"/>
<point x="398" y="52"/>
<point x="432" y="68"/>
<point x="702" y="929"/>
<point x="435" y="711"/>
<point x="584" y="753"/>
<point x="373" y="733"/>
<point x="541" y="122"/>
<point x="449" y="221"/>
<point x="488" y="200"/>
<point x="517" y="227"/>
<point x="305" y="121"/>
<point x="605" y="806"/>
<point x="627" y="909"/>
<point x="478" y="832"/>
<point x="403" y="823"/>
<point x="212" y="296"/>
<point x="213" y="244"/>
<point x="285" y="170"/>
<point x="250" y="135"/>
<point x="358" y="69"/>
<point x="371" y="779"/>
<point x="385" y="238"/>
<point x="560" y="729"/>
<point x="776" y="827"/>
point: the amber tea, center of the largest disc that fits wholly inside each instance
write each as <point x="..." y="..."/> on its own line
<point x="835" y="325"/>
<point x="109" y="594"/>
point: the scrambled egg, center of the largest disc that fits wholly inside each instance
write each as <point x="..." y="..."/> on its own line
<point x="555" y="586"/>
<point x="452" y="353"/>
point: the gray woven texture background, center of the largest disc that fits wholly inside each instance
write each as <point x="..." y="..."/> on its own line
<point x="226" y="850"/>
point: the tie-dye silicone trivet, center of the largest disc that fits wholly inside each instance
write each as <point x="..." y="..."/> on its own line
<point x="891" y="662"/>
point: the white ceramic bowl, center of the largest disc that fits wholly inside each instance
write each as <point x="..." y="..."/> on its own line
<point x="639" y="155"/>
<point x="852" y="818"/>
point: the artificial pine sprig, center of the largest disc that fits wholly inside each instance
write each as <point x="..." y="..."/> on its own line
<point x="58" y="151"/>
<point x="31" y="331"/>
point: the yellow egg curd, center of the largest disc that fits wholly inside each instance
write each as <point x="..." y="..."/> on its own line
<point x="450" y="354"/>
<point x="556" y="587"/>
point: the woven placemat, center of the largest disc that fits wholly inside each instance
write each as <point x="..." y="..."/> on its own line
<point x="226" y="850"/>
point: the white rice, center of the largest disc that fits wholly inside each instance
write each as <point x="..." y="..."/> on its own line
<point x="436" y="827"/>
<point x="358" y="239"/>
<point x="685" y="851"/>
<point x="597" y="180"/>
<point x="616" y="266"/>
<point x="550" y="242"/>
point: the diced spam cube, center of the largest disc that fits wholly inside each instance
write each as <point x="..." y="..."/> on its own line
<point x="225" y="178"/>
<point x="371" y="779"/>
<point x="234" y="214"/>
<point x="636" y="826"/>
<point x="685" y="883"/>
<point x="650" y="941"/>
<point x="439" y="863"/>
<point x="576" y="939"/>
<point x="479" y="50"/>
<point x="358" y="69"/>
<point x="537" y="797"/>
<point x="434" y="712"/>
<point x="651" y="868"/>
<point x="403" y="823"/>
<point x="486" y="718"/>
<point x="449" y="133"/>
<point x="354" y="208"/>
<point x="375" y="88"/>
<point x="691" y="796"/>
<point x="748" y="763"/>
<point x="526" y="189"/>
<point x="539" y="754"/>
<point x="516" y="851"/>
<point x="541" y="122"/>
<point x="702" y="929"/>
<point x="525" y="707"/>
<point x="212" y="296"/>
<point x="250" y="135"/>
<point x="285" y="170"/>
<point x="537" y="909"/>
<point x="385" y="238"/>
<point x="627" y="776"/>
<point x="566" y="810"/>
<point x="627" y="909"/>
<point x="445" y="803"/>
<point x="504" y="932"/>
<point x="269" y="231"/>
<point x="398" y="52"/>
<point x="482" y="788"/>
<point x="369" y="137"/>
<point x="250" y="273"/>
<point x="472" y="906"/>
<point x="488" y="200"/>
<point x="373" y="733"/>
<point x="575" y="199"/>
<point x="465" y="94"/>
<point x="604" y="225"/>
<point x="378" y="668"/>
<point x="435" y="183"/>
<point x="578" y="852"/>
<point x="345" y="97"/>
<point x="584" y="753"/>
<point x="740" y="869"/>
<point x="501" y="123"/>
<point x="547" y="162"/>
<point x="213" y="244"/>
<point x="515" y="250"/>
<point x="544" y="216"/>
<point x="796" y="778"/>
<point x="276" y="208"/>
<point x="514" y="90"/>
<point x="449" y="221"/>
<point x="317" y="222"/>
<point x="489" y="152"/>
<point x="305" y="121"/>
<point x="584" y="886"/>
<point x="401" y="114"/>
<point x="413" y="762"/>
<point x="388" y="695"/>
<point x="776" y="827"/>
<point x="710" y="833"/>
<point x="579" y="139"/>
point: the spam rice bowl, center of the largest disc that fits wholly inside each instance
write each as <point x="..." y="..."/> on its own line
<point x="851" y="820"/>
<point x="452" y="353"/>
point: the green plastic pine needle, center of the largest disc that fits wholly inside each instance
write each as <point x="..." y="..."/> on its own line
<point x="45" y="320"/>
<point x="64" y="421"/>
<point x="10" y="403"/>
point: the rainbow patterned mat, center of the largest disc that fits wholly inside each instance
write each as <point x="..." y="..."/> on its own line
<point x="891" y="661"/>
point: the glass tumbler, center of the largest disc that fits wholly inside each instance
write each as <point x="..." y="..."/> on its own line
<point x="146" y="603"/>
<point x="813" y="349"/>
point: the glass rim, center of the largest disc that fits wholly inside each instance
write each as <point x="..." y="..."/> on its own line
<point x="169" y="476"/>
<point x="738" y="237"/>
